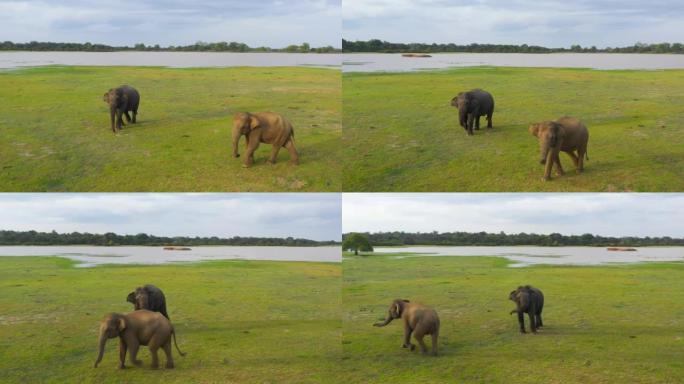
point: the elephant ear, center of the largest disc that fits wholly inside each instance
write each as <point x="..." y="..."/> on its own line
<point x="534" y="129"/>
<point x="397" y="309"/>
<point x="253" y="122"/>
<point x="121" y="325"/>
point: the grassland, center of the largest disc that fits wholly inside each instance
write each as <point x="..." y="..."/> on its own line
<point x="402" y="135"/>
<point x="612" y="324"/>
<point x="238" y="321"/>
<point x="55" y="133"/>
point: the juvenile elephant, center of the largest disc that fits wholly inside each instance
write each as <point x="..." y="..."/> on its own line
<point x="418" y="319"/>
<point x="149" y="297"/>
<point x="528" y="300"/>
<point x="566" y="134"/>
<point x="263" y="127"/>
<point x="471" y="106"/>
<point x="121" y="100"/>
<point x="138" y="328"/>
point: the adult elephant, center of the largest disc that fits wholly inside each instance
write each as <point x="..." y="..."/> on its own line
<point x="566" y="134"/>
<point x="263" y="127"/>
<point x="149" y="297"/>
<point x="122" y="100"/>
<point x="471" y="106"/>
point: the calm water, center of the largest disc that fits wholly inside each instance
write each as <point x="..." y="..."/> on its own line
<point x="169" y="59"/>
<point x="90" y="256"/>
<point x="395" y="62"/>
<point x="524" y="256"/>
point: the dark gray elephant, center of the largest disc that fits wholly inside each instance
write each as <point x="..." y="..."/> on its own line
<point x="471" y="106"/>
<point x="149" y="297"/>
<point x="528" y="300"/>
<point x="121" y="100"/>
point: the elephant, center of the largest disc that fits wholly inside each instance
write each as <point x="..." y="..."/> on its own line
<point x="134" y="329"/>
<point x="418" y="319"/>
<point x="121" y="100"/>
<point x="263" y="127"/>
<point x="566" y="134"/>
<point x="471" y="106"/>
<point x="528" y="300"/>
<point x="149" y="297"/>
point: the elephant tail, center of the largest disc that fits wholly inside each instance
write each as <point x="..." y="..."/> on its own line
<point x="173" y="332"/>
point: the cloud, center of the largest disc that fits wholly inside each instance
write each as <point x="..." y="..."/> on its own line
<point x="173" y="22"/>
<point x="313" y="216"/>
<point x="550" y="23"/>
<point x="567" y="213"/>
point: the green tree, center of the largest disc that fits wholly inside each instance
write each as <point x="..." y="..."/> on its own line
<point x="356" y="242"/>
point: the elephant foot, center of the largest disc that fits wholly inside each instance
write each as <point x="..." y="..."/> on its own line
<point x="294" y="162"/>
<point x="245" y="166"/>
<point x="272" y="162"/>
<point x="522" y="331"/>
<point x="412" y="347"/>
<point x="137" y="362"/>
<point x="236" y="155"/>
<point x="546" y="178"/>
<point x="579" y="171"/>
<point x="154" y="366"/>
<point x="122" y="366"/>
<point x="170" y="366"/>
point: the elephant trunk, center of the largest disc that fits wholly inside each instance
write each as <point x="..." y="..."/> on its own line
<point x="103" y="340"/>
<point x="382" y="324"/>
<point x="463" y="117"/>
<point x="547" y="144"/>
<point x="236" y="140"/>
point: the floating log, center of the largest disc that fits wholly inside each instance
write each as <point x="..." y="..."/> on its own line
<point x="621" y="249"/>
<point x="176" y="248"/>
<point x="415" y="55"/>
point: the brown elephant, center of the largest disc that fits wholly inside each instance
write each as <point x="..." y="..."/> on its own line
<point x="121" y="100"/>
<point x="138" y="328"/>
<point x="149" y="297"/>
<point x="418" y="319"/>
<point x="528" y="300"/>
<point x="263" y="127"/>
<point x="566" y="134"/>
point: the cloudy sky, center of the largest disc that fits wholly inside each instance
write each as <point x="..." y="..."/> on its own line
<point x="552" y="23"/>
<point x="308" y="215"/>
<point x="274" y="23"/>
<point x="623" y="214"/>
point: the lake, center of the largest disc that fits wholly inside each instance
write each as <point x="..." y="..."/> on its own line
<point x="524" y="256"/>
<point x="373" y="62"/>
<point x="89" y="256"/>
<point x="9" y="60"/>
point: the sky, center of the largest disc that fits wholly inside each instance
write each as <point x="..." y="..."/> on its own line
<point x="314" y="216"/>
<point x="550" y="23"/>
<point x="624" y="214"/>
<point x="273" y="23"/>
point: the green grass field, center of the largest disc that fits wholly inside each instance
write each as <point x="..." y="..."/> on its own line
<point x="402" y="135"/>
<point x="612" y="324"/>
<point x="55" y="133"/>
<point x="238" y="321"/>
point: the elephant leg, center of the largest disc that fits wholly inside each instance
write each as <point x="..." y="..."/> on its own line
<point x="489" y="120"/>
<point x="575" y="159"/>
<point x="435" y="336"/>
<point x="112" y="116"/>
<point x="122" y="354"/>
<point x="540" y="323"/>
<point x="119" y="119"/>
<point x="294" y="156"/>
<point x="274" y="154"/>
<point x="470" y="124"/>
<point x="407" y="339"/>
<point x="252" y="146"/>
<point x="134" y="347"/>
<point x="169" y="355"/>
<point x="533" y="323"/>
<point x="521" y="321"/>
<point x="556" y="159"/>
<point x="549" y="165"/>
<point x="135" y="115"/>
<point x="477" y="122"/>
<point x="419" y="339"/>
<point x="128" y="117"/>
<point x="582" y="152"/>
<point x="155" y="356"/>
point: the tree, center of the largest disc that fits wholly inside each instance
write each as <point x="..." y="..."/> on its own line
<point x="356" y="242"/>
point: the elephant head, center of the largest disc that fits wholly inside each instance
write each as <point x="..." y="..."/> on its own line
<point x="243" y="124"/>
<point x="550" y="136"/>
<point x="520" y="296"/>
<point x="465" y="102"/>
<point x="110" y="327"/>
<point x="394" y="312"/>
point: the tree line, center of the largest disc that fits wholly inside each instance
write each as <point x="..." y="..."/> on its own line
<point x="109" y="239"/>
<point x="501" y="238"/>
<point x="379" y="46"/>
<point x="200" y="46"/>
